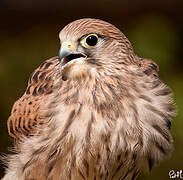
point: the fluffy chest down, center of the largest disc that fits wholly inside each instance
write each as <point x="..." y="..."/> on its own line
<point x="100" y="131"/>
<point x="84" y="148"/>
<point x="104" y="139"/>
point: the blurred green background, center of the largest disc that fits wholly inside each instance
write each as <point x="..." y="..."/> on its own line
<point x="29" y="35"/>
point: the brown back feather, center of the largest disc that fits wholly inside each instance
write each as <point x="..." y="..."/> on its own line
<point x="148" y="66"/>
<point x="25" y="117"/>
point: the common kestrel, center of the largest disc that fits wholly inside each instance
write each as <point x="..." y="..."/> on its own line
<point x="95" y="112"/>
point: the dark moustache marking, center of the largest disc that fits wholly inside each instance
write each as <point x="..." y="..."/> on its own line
<point x="93" y="61"/>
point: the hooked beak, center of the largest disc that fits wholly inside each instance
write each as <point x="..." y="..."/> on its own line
<point x="68" y="53"/>
<point x="66" y="49"/>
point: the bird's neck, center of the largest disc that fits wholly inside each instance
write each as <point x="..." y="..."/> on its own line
<point x="103" y="94"/>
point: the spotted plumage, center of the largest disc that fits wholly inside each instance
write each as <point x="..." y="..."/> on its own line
<point x="96" y="112"/>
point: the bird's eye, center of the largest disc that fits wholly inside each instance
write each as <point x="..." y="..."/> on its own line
<point x="89" y="41"/>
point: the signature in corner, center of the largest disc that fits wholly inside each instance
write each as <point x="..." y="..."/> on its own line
<point x="176" y="174"/>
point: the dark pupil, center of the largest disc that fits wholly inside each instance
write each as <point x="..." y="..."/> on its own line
<point x="91" y="40"/>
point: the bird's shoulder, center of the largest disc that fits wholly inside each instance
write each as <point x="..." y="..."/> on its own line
<point x="25" y="117"/>
<point x="148" y="67"/>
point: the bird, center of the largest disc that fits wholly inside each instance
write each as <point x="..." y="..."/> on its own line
<point x="96" y="111"/>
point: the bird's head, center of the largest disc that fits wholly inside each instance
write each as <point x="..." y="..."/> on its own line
<point x="90" y="47"/>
